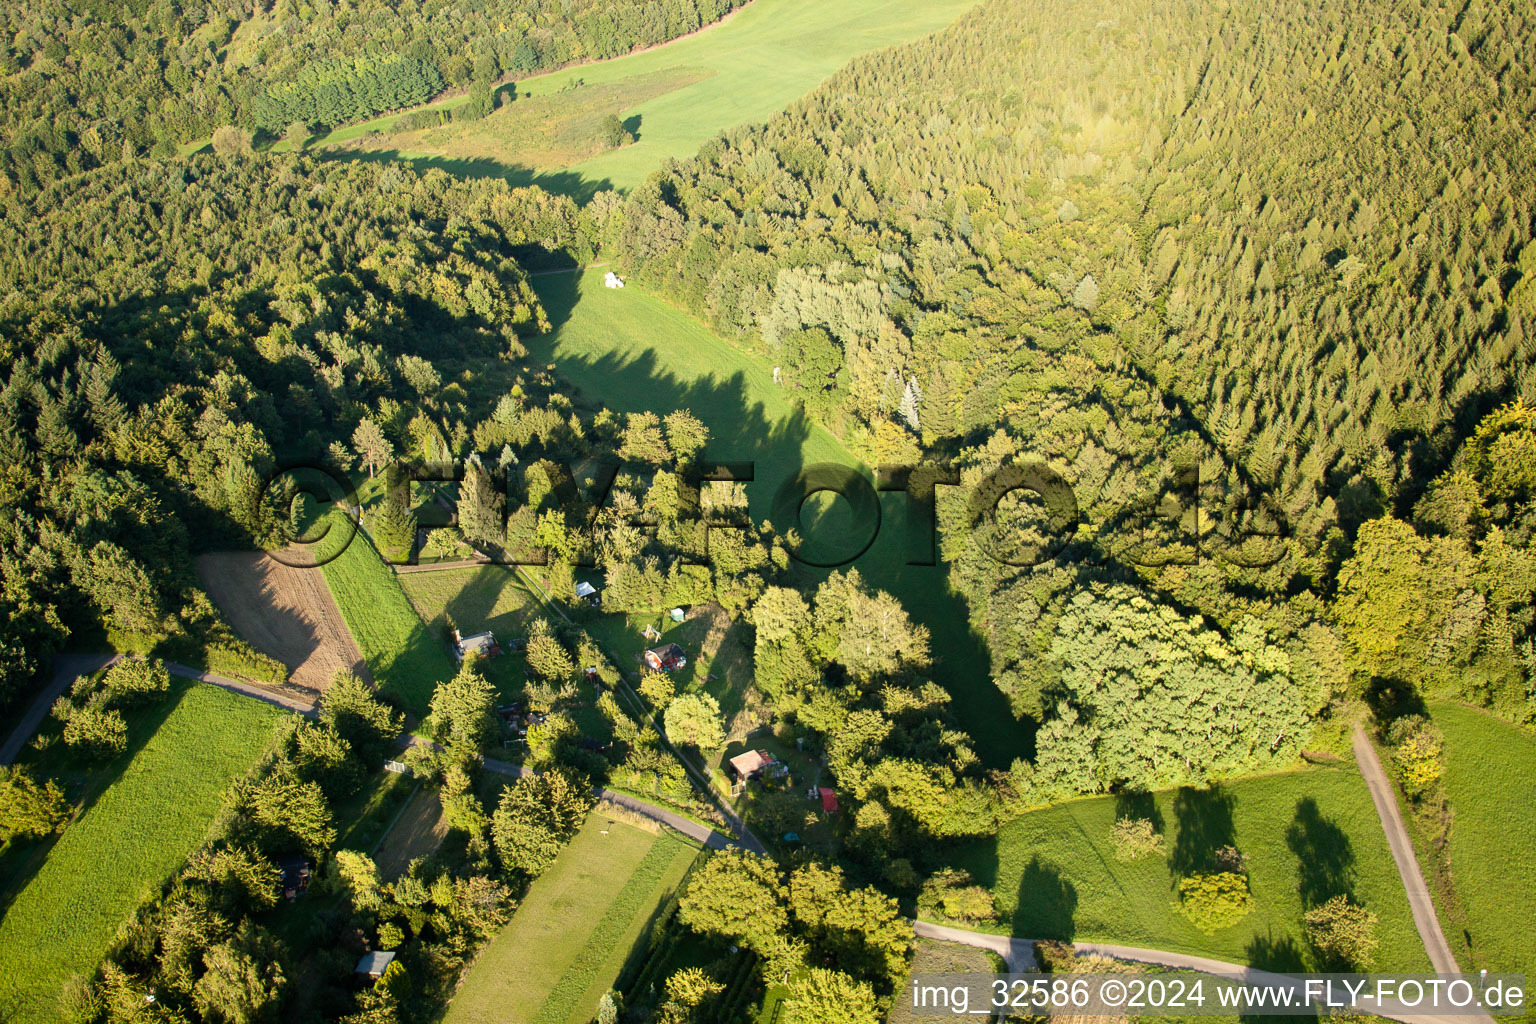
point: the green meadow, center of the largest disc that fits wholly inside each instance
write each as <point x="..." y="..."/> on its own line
<point x="406" y="661"/>
<point x="1490" y="778"/>
<point x="572" y="933"/>
<point x="744" y="69"/>
<point x="630" y="352"/>
<point x="1304" y="835"/>
<point x="476" y="599"/>
<point x="125" y="845"/>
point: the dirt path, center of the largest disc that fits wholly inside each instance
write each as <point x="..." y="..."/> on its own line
<point x="1419" y="902"/>
<point x="1019" y="955"/>
<point x="285" y="612"/>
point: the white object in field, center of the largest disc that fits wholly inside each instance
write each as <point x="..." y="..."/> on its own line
<point x="612" y="280"/>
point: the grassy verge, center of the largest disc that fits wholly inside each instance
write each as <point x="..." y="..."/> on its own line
<point x="124" y="846"/>
<point x="406" y="661"/>
<point x="931" y="956"/>
<point x="1306" y="835"/>
<point x="1490" y="772"/>
<point x="570" y="935"/>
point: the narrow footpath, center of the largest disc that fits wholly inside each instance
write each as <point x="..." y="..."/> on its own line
<point x="1402" y="852"/>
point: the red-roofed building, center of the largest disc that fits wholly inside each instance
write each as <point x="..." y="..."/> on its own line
<point x="828" y="800"/>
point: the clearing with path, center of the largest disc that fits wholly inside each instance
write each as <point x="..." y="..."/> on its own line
<point x="282" y="611"/>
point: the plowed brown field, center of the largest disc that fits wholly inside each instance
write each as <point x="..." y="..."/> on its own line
<point x="282" y="611"/>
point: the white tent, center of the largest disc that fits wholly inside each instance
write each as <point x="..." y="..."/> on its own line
<point x="612" y="280"/>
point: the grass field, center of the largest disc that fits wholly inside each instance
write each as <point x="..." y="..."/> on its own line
<point x="631" y="352"/>
<point x="125" y="845"/>
<point x="404" y="658"/>
<point x="536" y="134"/>
<point x="742" y="70"/>
<point x="1490" y="776"/>
<point x="490" y="597"/>
<point x="1306" y="835"/>
<point x="571" y="934"/>
<point x="415" y="833"/>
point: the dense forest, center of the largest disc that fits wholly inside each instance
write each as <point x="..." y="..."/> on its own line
<point x="1230" y="271"/>
<point x="169" y="328"/>
<point x="87" y="84"/>
<point x="1214" y="315"/>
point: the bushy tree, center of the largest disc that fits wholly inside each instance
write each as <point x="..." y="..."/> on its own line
<point x="694" y="720"/>
<point x="1343" y="933"/>
<point x="824" y="996"/>
<point x="1416" y="745"/>
<point x="243" y="980"/>
<point x="461" y="708"/>
<point x="28" y="808"/>
<point x="1214" y="900"/>
<point x="1135" y="838"/>
<point x="136" y="681"/>
<point x="351" y="707"/>
<point x="536" y="816"/>
<point x="97" y="730"/>
<point x="736" y="895"/>
<point x="658" y="688"/>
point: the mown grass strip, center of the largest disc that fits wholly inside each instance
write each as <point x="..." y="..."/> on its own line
<point x="578" y="977"/>
<point x="400" y="652"/>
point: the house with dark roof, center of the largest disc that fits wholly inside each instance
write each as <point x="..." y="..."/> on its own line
<point x="374" y="964"/>
<point x="668" y="658"/>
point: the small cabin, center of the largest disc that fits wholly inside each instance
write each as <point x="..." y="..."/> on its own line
<point x="665" y="659"/>
<point x="612" y="280"/>
<point x="751" y="765"/>
<point x="480" y="645"/>
<point x="374" y="964"/>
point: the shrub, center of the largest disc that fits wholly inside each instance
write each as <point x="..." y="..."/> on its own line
<point x="133" y="682"/>
<point x="391" y="935"/>
<point x="951" y="893"/>
<point x="27" y="808"/>
<point x="235" y="658"/>
<point x="1215" y="900"/>
<point x="657" y="688"/>
<point x="1343" y="933"/>
<point x="1134" y="838"/>
<point x="1416" y="747"/>
<point x="694" y="720"/>
<point x="99" y="731"/>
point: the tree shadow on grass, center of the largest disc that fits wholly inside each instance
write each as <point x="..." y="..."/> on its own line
<point x="1138" y="804"/>
<point x="565" y="183"/>
<point x="1047" y="904"/>
<point x="22" y="864"/>
<point x="1279" y="955"/>
<point x="1325" y="861"/>
<point x="1205" y="824"/>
